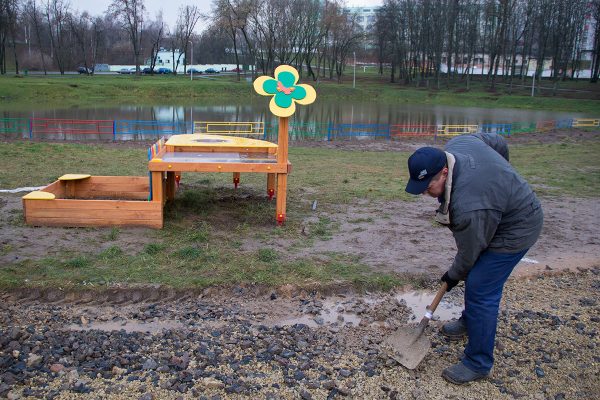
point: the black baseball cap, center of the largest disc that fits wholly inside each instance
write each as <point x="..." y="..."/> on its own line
<point x="423" y="165"/>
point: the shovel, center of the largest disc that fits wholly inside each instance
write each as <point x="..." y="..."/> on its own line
<point x="409" y="345"/>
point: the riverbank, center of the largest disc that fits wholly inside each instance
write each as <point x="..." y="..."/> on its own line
<point x="108" y="90"/>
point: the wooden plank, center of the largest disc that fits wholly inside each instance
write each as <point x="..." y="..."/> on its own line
<point x="56" y="187"/>
<point x="112" y="195"/>
<point x="65" y="212"/>
<point x="70" y="188"/>
<point x="104" y="205"/>
<point x="83" y="214"/>
<point x="218" y="167"/>
<point x="156" y="223"/>
<point x="96" y="179"/>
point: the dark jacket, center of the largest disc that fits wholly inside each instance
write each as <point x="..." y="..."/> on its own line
<point x="491" y="205"/>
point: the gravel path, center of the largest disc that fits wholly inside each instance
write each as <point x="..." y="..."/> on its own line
<point x="291" y="345"/>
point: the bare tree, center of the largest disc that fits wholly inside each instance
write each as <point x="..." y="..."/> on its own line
<point x="595" y="8"/>
<point x="35" y="18"/>
<point x="186" y="23"/>
<point x="130" y="14"/>
<point x="81" y="27"/>
<point x="56" y="13"/>
<point x="155" y="31"/>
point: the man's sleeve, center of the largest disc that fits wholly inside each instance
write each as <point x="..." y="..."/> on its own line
<point x="473" y="232"/>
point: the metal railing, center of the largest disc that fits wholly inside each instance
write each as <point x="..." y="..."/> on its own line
<point x="230" y="128"/>
<point x="68" y="127"/>
<point x="400" y="130"/>
<point x="356" y="130"/>
<point x="140" y="129"/>
<point x="17" y="126"/>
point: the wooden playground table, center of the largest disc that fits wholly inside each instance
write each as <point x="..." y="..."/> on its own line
<point x="215" y="153"/>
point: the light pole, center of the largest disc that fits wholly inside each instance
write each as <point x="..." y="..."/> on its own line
<point x="533" y="84"/>
<point x="191" y="61"/>
<point x="354" y="77"/>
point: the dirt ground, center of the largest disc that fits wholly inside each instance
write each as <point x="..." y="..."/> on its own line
<point x="387" y="236"/>
<point x="546" y="347"/>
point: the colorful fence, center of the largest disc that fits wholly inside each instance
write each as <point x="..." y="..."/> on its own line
<point x="355" y="130"/>
<point x="69" y="127"/>
<point x="412" y="130"/>
<point x="14" y="125"/>
<point x="138" y="130"/>
<point x="149" y="128"/>
<point x="583" y="123"/>
<point x="230" y="128"/>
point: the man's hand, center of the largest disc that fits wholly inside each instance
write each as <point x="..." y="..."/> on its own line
<point x="451" y="282"/>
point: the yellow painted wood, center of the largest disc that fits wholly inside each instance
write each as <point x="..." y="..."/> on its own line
<point x="219" y="141"/>
<point x="73" y="177"/>
<point x="218" y="167"/>
<point x="39" y="195"/>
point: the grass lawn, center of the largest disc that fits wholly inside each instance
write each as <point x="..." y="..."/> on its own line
<point x="209" y="225"/>
<point x="110" y="90"/>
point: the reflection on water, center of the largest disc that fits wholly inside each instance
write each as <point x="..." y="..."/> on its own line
<point x="308" y="121"/>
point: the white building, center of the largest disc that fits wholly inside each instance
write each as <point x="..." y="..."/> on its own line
<point x="166" y="58"/>
<point x="366" y="16"/>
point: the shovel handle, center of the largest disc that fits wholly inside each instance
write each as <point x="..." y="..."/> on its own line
<point x="438" y="297"/>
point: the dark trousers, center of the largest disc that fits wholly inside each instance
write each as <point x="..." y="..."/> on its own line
<point x="483" y="291"/>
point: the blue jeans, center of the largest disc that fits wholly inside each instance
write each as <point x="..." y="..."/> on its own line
<point x="483" y="291"/>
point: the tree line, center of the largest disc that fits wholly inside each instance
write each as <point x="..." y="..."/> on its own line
<point x="492" y="38"/>
<point x="416" y="40"/>
<point x="50" y="35"/>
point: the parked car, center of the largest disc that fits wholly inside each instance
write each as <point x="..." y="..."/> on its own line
<point x="127" y="71"/>
<point x="101" y="68"/>
<point x="84" y="70"/>
<point x="211" y="71"/>
<point x="194" y="71"/>
<point x="164" y="70"/>
<point x="147" y="70"/>
<point x="236" y="70"/>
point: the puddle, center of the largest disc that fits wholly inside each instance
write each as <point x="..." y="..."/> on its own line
<point x="129" y="326"/>
<point x="333" y="312"/>
<point x="417" y="301"/>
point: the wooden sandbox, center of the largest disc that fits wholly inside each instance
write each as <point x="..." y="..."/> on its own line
<point x="84" y="200"/>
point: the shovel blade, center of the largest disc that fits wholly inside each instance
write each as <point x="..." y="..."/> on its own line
<point x="408" y="347"/>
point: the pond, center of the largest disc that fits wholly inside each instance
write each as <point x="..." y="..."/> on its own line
<point x="320" y="115"/>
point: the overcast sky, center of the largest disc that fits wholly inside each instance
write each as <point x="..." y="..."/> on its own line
<point x="170" y="8"/>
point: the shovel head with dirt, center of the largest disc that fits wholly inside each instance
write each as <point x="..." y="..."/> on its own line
<point x="409" y="345"/>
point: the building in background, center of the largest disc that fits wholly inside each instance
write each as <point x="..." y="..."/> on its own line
<point x="366" y="16"/>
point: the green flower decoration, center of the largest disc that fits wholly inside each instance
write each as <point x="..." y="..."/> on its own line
<point x="285" y="91"/>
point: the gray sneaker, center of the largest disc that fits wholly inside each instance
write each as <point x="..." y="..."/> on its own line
<point x="455" y="330"/>
<point x="459" y="374"/>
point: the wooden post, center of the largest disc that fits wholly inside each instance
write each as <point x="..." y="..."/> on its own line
<point x="281" y="198"/>
<point x="282" y="158"/>
<point x="282" y="141"/>
<point x="70" y="189"/>
<point x="157" y="187"/>
<point x="170" y="185"/>
<point x="271" y="185"/>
